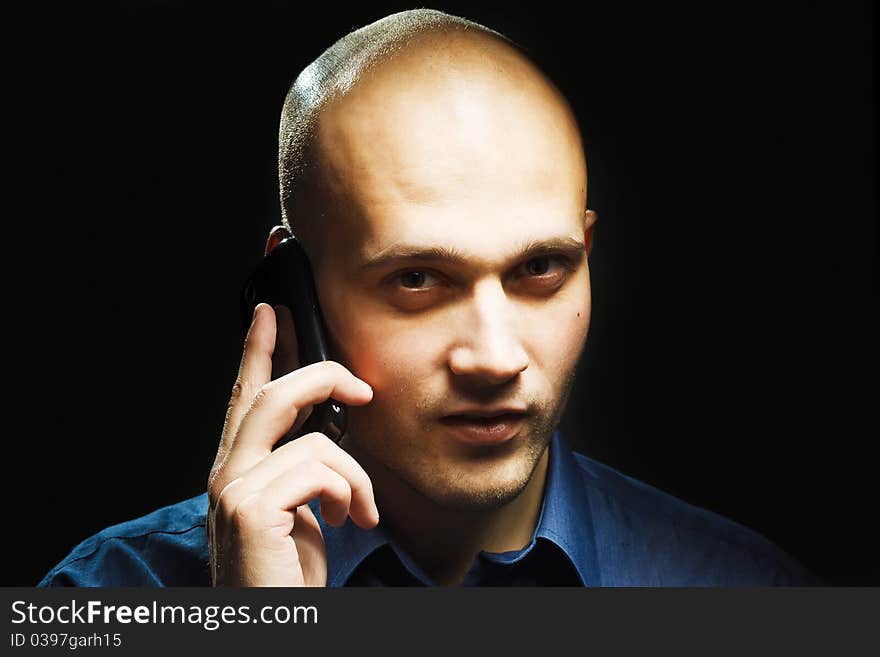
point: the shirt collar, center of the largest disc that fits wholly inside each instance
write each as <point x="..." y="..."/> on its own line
<point x="565" y="521"/>
<point x="347" y="546"/>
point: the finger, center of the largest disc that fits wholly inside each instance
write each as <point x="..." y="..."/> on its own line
<point x="315" y="447"/>
<point x="253" y="372"/>
<point x="255" y="369"/>
<point x="274" y="505"/>
<point x="307" y="481"/>
<point x="275" y="407"/>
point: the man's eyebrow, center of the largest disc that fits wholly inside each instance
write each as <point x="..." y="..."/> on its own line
<point x="570" y="247"/>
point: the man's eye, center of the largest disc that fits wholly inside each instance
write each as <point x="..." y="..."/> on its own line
<point x="416" y="280"/>
<point x="543" y="265"/>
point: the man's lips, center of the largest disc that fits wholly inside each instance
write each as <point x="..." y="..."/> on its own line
<point x="485" y="429"/>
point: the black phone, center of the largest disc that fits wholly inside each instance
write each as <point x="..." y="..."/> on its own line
<point x="284" y="277"/>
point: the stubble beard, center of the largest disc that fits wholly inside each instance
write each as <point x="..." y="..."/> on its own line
<point x="449" y="487"/>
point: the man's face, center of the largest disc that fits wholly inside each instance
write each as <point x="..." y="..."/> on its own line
<point x="483" y="164"/>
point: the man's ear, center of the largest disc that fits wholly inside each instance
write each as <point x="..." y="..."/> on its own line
<point x="277" y="234"/>
<point x="590" y="218"/>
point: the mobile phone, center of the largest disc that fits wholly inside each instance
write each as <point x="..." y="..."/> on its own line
<point x="284" y="277"/>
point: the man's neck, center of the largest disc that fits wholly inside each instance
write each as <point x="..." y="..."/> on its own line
<point x="443" y="541"/>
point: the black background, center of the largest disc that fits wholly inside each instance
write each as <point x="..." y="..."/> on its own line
<point x="731" y="359"/>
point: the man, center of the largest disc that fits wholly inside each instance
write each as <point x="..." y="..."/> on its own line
<point x="438" y="183"/>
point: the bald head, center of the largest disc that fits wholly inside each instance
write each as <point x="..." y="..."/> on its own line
<point x="421" y="107"/>
<point x="438" y="183"/>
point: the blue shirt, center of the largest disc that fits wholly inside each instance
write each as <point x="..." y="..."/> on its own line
<point x="597" y="527"/>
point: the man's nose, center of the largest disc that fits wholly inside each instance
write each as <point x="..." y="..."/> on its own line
<point x="489" y="348"/>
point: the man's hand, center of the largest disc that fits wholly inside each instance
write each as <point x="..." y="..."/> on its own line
<point x="260" y="530"/>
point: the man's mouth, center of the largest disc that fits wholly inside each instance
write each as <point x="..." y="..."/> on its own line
<point x="486" y="429"/>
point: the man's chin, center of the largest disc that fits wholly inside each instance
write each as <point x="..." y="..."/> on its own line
<point x="455" y="474"/>
<point x="473" y="500"/>
<point x="480" y="484"/>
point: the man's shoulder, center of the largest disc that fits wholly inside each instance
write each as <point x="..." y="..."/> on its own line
<point x="167" y="547"/>
<point x="646" y="536"/>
